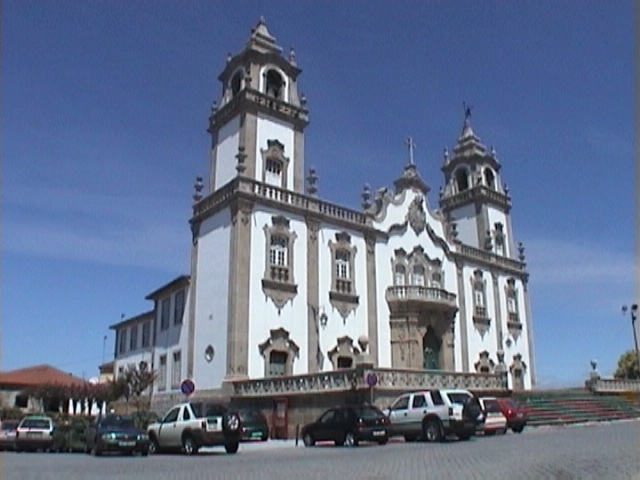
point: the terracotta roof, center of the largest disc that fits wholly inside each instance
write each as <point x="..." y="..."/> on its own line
<point x="38" y="375"/>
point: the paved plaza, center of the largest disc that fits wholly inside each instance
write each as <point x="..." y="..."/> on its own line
<point x="597" y="451"/>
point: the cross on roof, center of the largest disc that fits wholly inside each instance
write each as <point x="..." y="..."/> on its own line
<point x="412" y="145"/>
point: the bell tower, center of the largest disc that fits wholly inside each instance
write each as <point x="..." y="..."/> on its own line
<point x="474" y="197"/>
<point x="257" y="126"/>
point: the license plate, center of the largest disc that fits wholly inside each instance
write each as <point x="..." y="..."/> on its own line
<point x="34" y="434"/>
<point x="256" y="435"/>
<point x="378" y="433"/>
<point x="127" y="444"/>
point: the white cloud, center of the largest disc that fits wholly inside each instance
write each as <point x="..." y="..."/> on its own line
<point x="562" y="262"/>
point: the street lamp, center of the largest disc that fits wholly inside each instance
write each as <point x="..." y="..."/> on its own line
<point x="634" y="314"/>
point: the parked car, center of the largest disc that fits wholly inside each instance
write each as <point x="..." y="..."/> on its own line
<point x="8" y="434"/>
<point x="516" y="414"/>
<point x="435" y="414"/>
<point x="189" y="426"/>
<point x="494" y="421"/>
<point x="116" y="433"/>
<point x="348" y="426"/>
<point x="254" y="425"/>
<point x="34" y="432"/>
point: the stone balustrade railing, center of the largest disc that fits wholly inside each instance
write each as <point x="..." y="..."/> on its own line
<point x="364" y="378"/>
<point x="416" y="292"/>
<point x="263" y="191"/>
<point x="613" y="385"/>
<point x="489" y="257"/>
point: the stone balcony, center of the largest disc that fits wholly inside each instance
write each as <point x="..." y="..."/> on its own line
<point x="411" y="298"/>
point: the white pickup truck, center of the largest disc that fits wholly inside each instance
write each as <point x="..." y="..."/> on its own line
<point x="190" y="426"/>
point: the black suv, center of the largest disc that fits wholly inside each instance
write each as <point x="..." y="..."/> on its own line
<point x="348" y="426"/>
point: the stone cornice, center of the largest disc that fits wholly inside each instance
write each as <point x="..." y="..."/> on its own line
<point x="250" y="100"/>
<point x="466" y="254"/>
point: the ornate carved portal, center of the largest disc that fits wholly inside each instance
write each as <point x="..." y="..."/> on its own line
<point x="423" y="340"/>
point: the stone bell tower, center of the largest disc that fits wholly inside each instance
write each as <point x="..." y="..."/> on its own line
<point x="474" y="197"/>
<point x="257" y="126"/>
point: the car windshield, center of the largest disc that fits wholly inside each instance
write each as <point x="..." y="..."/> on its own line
<point x="250" y="415"/>
<point x="491" y="406"/>
<point x="117" y="421"/>
<point x="208" y="410"/>
<point x="369" y="413"/>
<point x="458" y="397"/>
<point x="36" y="423"/>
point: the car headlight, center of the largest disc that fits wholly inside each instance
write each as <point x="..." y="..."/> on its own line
<point x="108" y="436"/>
<point x="233" y="422"/>
<point x="143" y="437"/>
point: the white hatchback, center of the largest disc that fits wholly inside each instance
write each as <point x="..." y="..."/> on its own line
<point x="495" y="421"/>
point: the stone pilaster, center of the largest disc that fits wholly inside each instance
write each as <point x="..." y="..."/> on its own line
<point x="238" y="300"/>
<point x="313" y="296"/>
<point x="372" y="299"/>
<point x="497" y="309"/>
<point x="532" y="361"/>
<point x="193" y="281"/>
<point x="298" y="161"/>
<point x="462" y="315"/>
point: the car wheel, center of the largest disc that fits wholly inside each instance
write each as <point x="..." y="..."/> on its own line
<point x="489" y="433"/>
<point x="189" y="446"/>
<point x="154" y="447"/>
<point x="464" y="436"/>
<point x="383" y="441"/>
<point x="231" y="447"/>
<point x="472" y="410"/>
<point x="308" y="440"/>
<point x="144" y="452"/>
<point x="350" y="440"/>
<point x="431" y="431"/>
<point x="410" y="438"/>
<point x="518" y="429"/>
<point x="96" y="451"/>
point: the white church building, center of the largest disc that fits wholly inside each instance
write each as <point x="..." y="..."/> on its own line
<point x="285" y="283"/>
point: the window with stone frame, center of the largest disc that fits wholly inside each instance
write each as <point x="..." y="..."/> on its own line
<point x="278" y="281"/>
<point x="133" y="338"/>
<point x="162" y="373"/>
<point x="417" y="275"/>
<point x="236" y="82"/>
<point x="499" y="238"/>
<point x="178" y="307"/>
<point x="399" y="275"/>
<point x="279" y="353"/>
<point x="513" y="317"/>
<point x="436" y="280"/>
<point x="481" y="320"/>
<point x="462" y="180"/>
<point x="274" y="84"/>
<point x="274" y="164"/>
<point x="343" y="295"/>
<point x="344" y="354"/>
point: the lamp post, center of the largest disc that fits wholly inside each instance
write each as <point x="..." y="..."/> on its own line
<point x="634" y="314"/>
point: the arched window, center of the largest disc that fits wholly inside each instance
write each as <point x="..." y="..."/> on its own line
<point x="399" y="276"/>
<point x="431" y="350"/>
<point x="436" y="280"/>
<point x="274" y="84"/>
<point x="277" y="363"/>
<point x="489" y="178"/>
<point x="462" y="180"/>
<point x="236" y="83"/>
<point x="417" y="276"/>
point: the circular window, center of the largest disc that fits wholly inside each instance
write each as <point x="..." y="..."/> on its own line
<point x="209" y="353"/>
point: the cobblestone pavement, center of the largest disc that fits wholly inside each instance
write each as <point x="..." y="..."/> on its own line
<point x="597" y="451"/>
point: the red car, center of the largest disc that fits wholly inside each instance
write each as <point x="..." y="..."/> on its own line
<point x="516" y="414"/>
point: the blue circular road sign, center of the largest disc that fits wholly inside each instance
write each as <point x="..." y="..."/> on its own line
<point x="187" y="386"/>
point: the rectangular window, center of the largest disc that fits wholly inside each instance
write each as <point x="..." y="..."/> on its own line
<point x="176" y="370"/>
<point x="478" y="298"/>
<point x="512" y="306"/>
<point x="178" y="308"/>
<point x="417" y="277"/>
<point x="146" y="334"/>
<point x="162" y="373"/>
<point x="164" y="314"/>
<point x="277" y="364"/>
<point x="278" y="251"/>
<point x="123" y="340"/>
<point x="133" y="340"/>
<point x="342" y="264"/>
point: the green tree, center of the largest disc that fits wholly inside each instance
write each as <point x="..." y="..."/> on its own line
<point x="134" y="383"/>
<point x="628" y="366"/>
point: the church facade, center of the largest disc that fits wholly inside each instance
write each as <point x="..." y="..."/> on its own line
<point x="285" y="283"/>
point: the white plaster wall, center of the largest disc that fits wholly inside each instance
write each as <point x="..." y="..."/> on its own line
<point x="227" y="149"/>
<point x="211" y="289"/>
<point x="521" y="345"/>
<point x="467" y="228"/>
<point x="269" y="128"/>
<point x="263" y="314"/>
<point x="476" y="342"/>
<point x="356" y="323"/>
<point x="498" y="216"/>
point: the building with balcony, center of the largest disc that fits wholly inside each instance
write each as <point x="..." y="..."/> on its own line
<point x="284" y="283"/>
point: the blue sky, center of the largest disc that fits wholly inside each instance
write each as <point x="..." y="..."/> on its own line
<point x="105" y="107"/>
